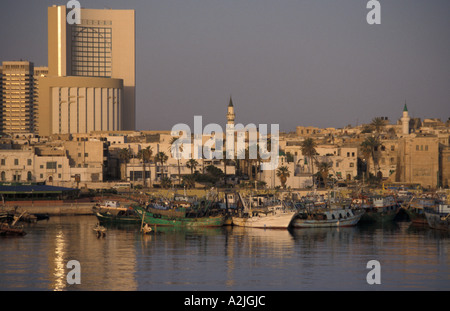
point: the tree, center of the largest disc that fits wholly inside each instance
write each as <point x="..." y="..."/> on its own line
<point x="161" y="157"/>
<point x="145" y="155"/>
<point x="283" y="174"/>
<point x="368" y="148"/>
<point x="124" y="155"/>
<point x="166" y="182"/>
<point x="323" y="168"/>
<point x="378" y="124"/>
<point x="173" y="147"/>
<point x="189" y="181"/>
<point x="308" y="147"/>
<point x="192" y="164"/>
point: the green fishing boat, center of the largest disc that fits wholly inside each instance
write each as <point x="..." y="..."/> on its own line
<point x="155" y="215"/>
<point x="129" y="217"/>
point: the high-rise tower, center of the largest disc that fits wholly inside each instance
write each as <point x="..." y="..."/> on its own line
<point x="101" y="46"/>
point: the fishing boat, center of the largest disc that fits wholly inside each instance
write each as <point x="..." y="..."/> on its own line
<point x="271" y="215"/>
<point x="331" y="215"/>
<point x="439" y="218"/>
<point x="415" y="209"/>
<point x="11" y="229"/>
<point x="127" y="217"/>
<point x="112" y="207"/>
<point x="155" y="214"/>
<point x="382" y="209"/>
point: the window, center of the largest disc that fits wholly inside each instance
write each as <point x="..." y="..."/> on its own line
<point x="426" y="147"/>
<point x="29" y="176"/>
<point x="348" y="154"/>
<point x="41" y="166"/>
<point x="392" y="147"/>
<point x="16" y="161"/>
<point x="417" y="147"/>
<point x="59" y="166"/>
<point x="86" y="155"/>
<point x="3" y="176"/>
<point x="51" y="165"/>
<point x="41" y="176"/>
<point x="28" y="162"/>
<point x="353" y="154"/>
<point x="352" y="164"/>
<point x="3" y="162"/>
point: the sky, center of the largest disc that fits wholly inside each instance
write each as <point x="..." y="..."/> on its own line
<point x="287" y="62"/>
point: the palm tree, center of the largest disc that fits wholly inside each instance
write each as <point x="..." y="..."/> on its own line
<point x="324" y="170"/>
<point x="368" y="148"/>
<point x="124" y="155"/>
<point x="308" y="147"/>
<point x="189" y="181"/>
<point x="161" y="157"/>
<point x="283" y="174"/>
<point x="378" y="124"/>
<point x="145" y="155"/>
<point x="192" y="164"/>
<point x="180" y="148"/>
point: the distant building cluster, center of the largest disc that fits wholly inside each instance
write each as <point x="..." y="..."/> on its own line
<point x="72" y="124"/>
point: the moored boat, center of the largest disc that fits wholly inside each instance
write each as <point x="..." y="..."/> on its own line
<point x="110" y="206"/>
<point x="382" y="209"/>
<point x="333" y="216"/>
<point x="270" y="215"/>
<point x="156" y="215"/>
<point x="128" y="217"/>
<point x="415" y="209"/>
<point x="439" y="218"/>
<point x="11" y="230"/>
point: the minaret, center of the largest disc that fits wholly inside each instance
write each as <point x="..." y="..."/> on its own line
<point x="405" y="121"/>
<point x="230" y="113"/>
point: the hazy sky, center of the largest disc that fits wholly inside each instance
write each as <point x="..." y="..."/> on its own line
<point x="290" y="62"/>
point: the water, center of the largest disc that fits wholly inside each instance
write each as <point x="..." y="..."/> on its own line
<point x="224" y="259"/>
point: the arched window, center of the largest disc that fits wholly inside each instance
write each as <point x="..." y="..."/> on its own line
<point x="29" y="176"/>
<point x="3" y="176"/>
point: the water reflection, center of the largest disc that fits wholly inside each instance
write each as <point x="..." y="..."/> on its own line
<point x="228" y="258"/>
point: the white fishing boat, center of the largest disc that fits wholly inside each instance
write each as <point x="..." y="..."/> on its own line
<point x="327" y="217"/>
<point x="111" y="207"/>
<point x="268" y="216"/>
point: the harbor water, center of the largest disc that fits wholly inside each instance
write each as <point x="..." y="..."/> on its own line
<point x="224" y="259"/>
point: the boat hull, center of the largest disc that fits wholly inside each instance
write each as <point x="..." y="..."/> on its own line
<point x="105" y="218"/>
<point x="346" y="221"/>
<point x="438" y="221"/>
<point x="161" y="219"/>
<point x="271" y="221"/>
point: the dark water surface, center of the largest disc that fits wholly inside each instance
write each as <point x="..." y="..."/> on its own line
<point x="224" y="259"/>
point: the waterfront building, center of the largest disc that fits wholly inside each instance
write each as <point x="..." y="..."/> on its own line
<point x="101" y="46"/>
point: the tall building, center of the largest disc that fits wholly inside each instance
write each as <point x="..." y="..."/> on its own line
<point x="101" y="46"/>
<point x="17" y="104"/>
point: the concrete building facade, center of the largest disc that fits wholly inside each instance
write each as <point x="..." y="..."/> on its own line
<point x="102" y="45"/>
<point x="79" y="105"/>
<point x="17" y="93"/>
